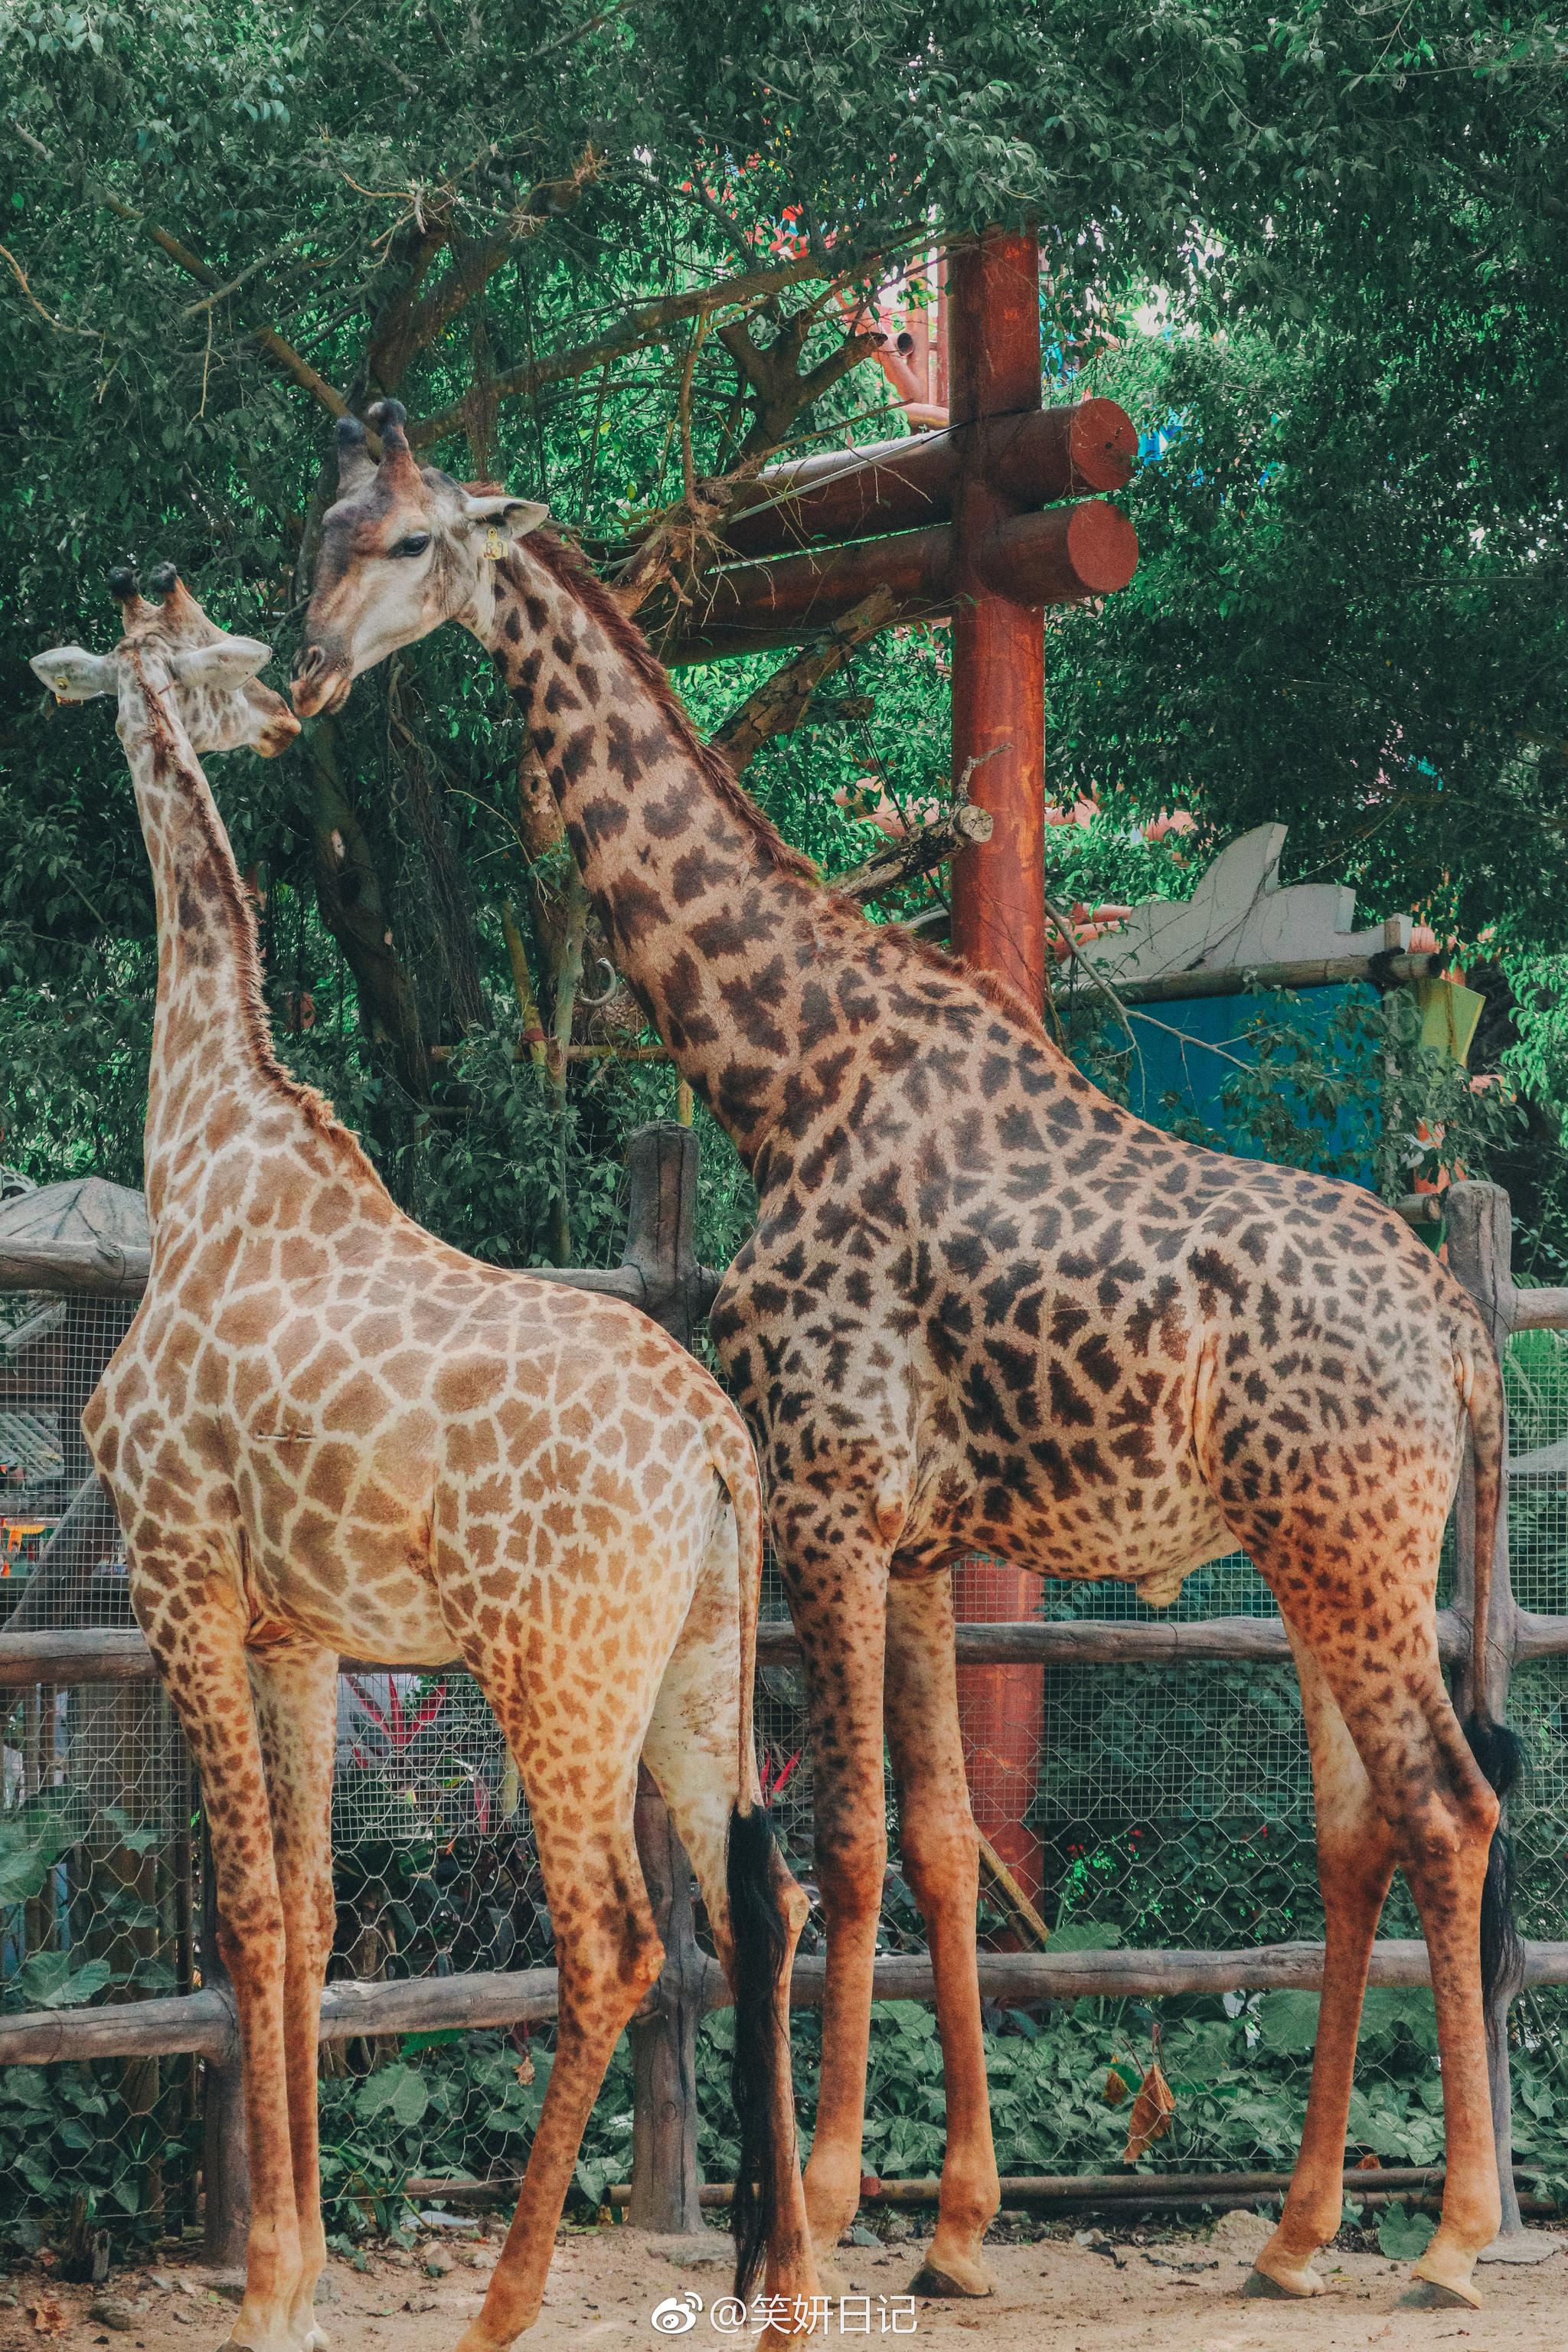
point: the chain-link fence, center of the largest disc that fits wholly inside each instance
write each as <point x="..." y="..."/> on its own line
<point x="1165" y="1806"/>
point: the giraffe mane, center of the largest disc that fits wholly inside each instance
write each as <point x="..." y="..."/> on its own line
<point x="571" y="571"/>
<point x="568" y="569"/>
<point x="171" y="749"/>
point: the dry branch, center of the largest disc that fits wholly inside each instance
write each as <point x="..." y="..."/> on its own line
<point x="70" y="1656"/>
<point x="90" y="1269"/>
<point x="203" y="2022"/>
<point x="781" y="701"/>
<point x="1005" y="1892"/>
<point x="921" y="848"/>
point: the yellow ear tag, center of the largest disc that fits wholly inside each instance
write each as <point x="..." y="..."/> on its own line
<point x="495" y="545"/>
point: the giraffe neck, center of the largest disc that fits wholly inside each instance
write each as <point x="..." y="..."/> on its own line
<point x="213" y="1073"/>
<point x="739" y="956"/>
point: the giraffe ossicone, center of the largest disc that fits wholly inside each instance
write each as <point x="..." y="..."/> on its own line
<point x="328" y="1433"/>
<point x="985" y="1309"/>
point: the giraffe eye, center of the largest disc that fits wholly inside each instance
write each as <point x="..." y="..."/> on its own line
<point x="415" y="544"/>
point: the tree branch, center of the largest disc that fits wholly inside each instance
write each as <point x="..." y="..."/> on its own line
<point x="283" y="354"/>
<point x="648" y="323"/>
<point x="780" y="704"/>
<point x="924" y="848"/>
<point x="774" y="374"/>
<point x="413" y="325"/>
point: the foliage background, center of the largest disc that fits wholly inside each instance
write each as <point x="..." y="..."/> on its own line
<point x="1318" y="254"/>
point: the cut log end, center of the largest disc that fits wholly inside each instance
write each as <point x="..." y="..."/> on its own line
<point x="1103" y="548"/>
<point x="1104" y="446"/>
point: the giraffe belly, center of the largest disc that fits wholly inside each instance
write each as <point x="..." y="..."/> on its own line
<point x="341" y="1553"/>
<point x="1155" y="1556"/>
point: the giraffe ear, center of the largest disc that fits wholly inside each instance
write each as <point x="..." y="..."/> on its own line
<point x="228" y="663"/>
<point x="72" y="675"/>
<point x="516" y="516"/>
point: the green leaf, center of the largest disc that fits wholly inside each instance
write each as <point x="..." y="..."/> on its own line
<point x="1403" y="2235"/>
<point x="48" y="1981"/>
<point x="22" y="1876"/>
<point x="1085" y="1936"/>
<point x="1288" y="2021"/>
<point x="398" y="2091"/>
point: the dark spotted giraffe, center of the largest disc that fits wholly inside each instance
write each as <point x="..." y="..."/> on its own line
<point x="984" y="1308"/>
<point x="326" y="1432"/>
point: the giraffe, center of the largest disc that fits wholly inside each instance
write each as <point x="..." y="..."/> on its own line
<point x="985" y="1308"/>
<point x="326" y="1432"/>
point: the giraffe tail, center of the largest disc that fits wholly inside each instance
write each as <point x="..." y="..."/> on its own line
<point x="1496" y="1749"/>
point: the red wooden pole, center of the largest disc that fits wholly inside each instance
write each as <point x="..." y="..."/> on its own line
<point x="998" y="646"/>
<point x="998" y="895"/>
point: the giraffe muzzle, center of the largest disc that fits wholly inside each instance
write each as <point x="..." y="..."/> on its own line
<point x="320" y="681"/>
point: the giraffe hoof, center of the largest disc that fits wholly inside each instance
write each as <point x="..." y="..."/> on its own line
<point x="954" y="2277"/>
<point x="1282" y="2285"/>
<point x="316" y="2341"/>
<point x="831" y="2279"/>
<point x="1438" y="2294"/>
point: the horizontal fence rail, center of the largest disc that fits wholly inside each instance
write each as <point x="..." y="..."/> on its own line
<point x="124" y="1657"/>
<point x="203" y="2023"/>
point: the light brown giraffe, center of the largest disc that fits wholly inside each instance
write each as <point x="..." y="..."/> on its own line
<point x="986" y="1309"/>
<point x="327" y="1432"/>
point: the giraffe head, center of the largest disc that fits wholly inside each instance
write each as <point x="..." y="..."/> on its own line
<point x="172" y="649"/>
<point x="404" y="549"/>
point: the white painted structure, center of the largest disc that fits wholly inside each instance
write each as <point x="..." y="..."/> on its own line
<point x="1240" y="917"/>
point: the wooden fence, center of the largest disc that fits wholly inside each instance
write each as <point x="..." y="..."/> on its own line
<point x="659" y="1273"/>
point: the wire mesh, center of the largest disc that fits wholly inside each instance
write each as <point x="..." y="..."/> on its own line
<point x="1134" y="1805"/>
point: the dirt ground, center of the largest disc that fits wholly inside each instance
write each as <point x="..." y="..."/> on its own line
<point x="1057" y="2293"/>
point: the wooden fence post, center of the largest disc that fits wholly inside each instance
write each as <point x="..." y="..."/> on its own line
<point x="225" y="2162"/>
<point x="665" y="2175"/>
<point x="661" y="1229"/>
<point x="1480" y="1248"/>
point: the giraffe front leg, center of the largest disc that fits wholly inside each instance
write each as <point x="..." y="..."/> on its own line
<point x="941" y="1857"/>
<point x="295" y="1688"/>
<point x="608" y="1951"/>
<point x="1356" y="1864"/>
<point x="203" y="1661"/>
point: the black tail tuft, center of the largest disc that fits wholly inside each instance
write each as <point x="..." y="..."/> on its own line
<point x="1500" y="1755"/>
<point x="761" y="1944"/>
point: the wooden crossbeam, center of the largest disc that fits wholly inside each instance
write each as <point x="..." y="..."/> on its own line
<point x="1036" y="457"/>
<point x="1059" y="557"/>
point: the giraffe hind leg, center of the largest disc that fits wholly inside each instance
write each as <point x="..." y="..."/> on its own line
<point x="1440" y="1814"/>
<point x="692" y="1752"/>
<point x="609" y="1955"/>
<point x="1355" y="1864"/>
